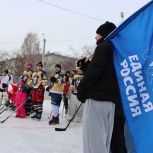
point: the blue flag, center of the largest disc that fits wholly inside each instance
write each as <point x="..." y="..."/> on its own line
<point x="133" y="59"/>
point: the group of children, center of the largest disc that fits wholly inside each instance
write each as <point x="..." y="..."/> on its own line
<point x="27" y="95"/>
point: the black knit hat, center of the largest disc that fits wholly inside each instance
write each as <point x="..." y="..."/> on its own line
<point x="58" y="65"/>
<point x="105" y="29"/>
<point x="40" y="64"/>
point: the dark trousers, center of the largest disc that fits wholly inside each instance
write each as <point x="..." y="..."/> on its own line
<point x="28" y="105"/>
<point x="38" y="108"/>
<point x="118" y="139"/>
<point x="65" y="102"/>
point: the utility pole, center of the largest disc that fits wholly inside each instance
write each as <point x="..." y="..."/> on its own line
<point x="44" y="46"/>
<point x="122" y="16"/>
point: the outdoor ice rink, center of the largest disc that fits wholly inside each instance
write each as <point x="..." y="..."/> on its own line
<point x="32" y="136"/>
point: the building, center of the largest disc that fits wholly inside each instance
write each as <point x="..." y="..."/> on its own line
<point x="51" y="59"/>
<point x="16" y="65"/>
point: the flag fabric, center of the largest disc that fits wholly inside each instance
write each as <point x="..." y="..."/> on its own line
<point x="133" y="60"/>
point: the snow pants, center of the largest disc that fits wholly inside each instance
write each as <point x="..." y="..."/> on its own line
<point x="19" y="100"/>
<point x="21" y="112"/>
<point x="38" y="108"/>
<point x="37" y="100"/>
<point x="98" y="121"/>
<point x="29" y="104"/>
<point x="55" y="103"/>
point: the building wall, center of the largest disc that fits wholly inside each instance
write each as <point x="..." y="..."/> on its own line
<point x="52" y="59"/>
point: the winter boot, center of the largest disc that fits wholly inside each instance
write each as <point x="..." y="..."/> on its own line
<point x="27" y="113"/>
<point x="54" y="121"/>
<point x="34" y="116"/>
<point x="12" y="106"/>
<point x="39" y="115"/>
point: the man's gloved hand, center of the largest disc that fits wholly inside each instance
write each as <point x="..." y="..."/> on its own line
<point x="48" y="88"/>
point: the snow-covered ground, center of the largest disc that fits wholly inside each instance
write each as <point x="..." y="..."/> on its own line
<point x="32" y="136"/>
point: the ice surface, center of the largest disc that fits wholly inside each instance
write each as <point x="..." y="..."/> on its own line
<point x="32" y="136"/>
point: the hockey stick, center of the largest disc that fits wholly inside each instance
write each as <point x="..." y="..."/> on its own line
<point x="3" y="105"/>
<point x="12" y="113"/>
<point x="64" y="129"/>
<point x="1" y="100"/>
<point x="3" y="110"/>
<point x="63" y="111"/>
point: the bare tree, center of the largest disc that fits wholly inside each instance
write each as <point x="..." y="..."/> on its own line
<point x="4" y="56"/>
<point x="30" y="49"/>
<point x="14" y="63"/>
<point x="75" y="52"/>
<point x="87" y="51"/>
<point x="17" y="66"/>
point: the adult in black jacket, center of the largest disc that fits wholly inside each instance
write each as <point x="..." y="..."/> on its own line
<point x="99" y="89"/>
<point x="99" y="82"/>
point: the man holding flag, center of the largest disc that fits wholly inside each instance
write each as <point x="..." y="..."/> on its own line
<point x="133" y="60"/>
<point x="99" y="90"/>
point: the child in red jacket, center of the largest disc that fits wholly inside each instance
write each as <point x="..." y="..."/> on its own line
<point x="11" y="92"/>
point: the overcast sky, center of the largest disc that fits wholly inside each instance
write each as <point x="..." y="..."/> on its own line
<point x="18" y="17"/>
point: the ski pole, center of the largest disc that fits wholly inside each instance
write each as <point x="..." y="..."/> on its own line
<point x="64" y="129"/>
<point x="12" y="113"/>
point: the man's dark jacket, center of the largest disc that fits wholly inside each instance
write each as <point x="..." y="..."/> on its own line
<point x="100" y="82"/>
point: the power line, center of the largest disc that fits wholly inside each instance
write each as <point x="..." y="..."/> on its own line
<point x="51" y="41"/>
<point x="70" y="40"/>
<point x="71" y="11"/>
<point x="11" y="42"/>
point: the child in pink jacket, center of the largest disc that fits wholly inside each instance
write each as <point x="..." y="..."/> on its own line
<point x="20" y="99"/>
